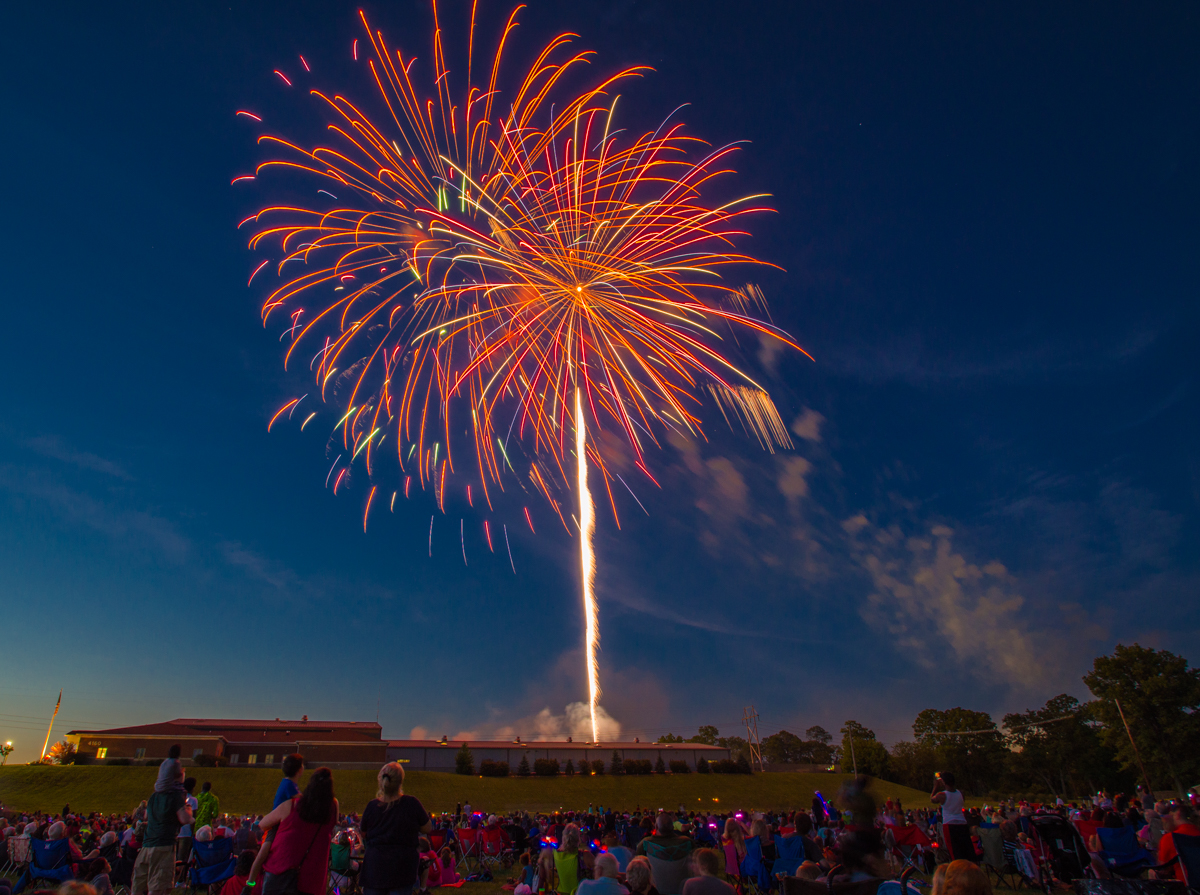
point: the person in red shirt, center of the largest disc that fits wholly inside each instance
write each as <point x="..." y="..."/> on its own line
<point x="1180" y="819"/>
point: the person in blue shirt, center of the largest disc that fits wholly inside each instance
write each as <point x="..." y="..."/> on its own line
<point x="289" y="787"/>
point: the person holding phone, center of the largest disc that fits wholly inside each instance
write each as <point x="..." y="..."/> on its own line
<point x="956" y="835"/>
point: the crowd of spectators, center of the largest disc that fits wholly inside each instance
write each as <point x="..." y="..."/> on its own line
<point x="306" y="845"/>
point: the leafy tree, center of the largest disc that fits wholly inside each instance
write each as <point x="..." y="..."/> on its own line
<point x="818" y="734"/>
<point x="707" y="735"/>
<point x="736" y="746"/>
<point x="1059" y="748"/>
<point x="464" y="761"/>
<point x="1160" y="697"/>
<point x="977" y="760"/>
<point x="785" y="748"/>
<point x="866" y="754"/>
<point x="546" y="767"/>
<point x="670" y="738"/>
<point x="62" y="752"/>
<point x="617" y="766"/>
<point x="5" y="751"/>
<point x="523" y="767"/>
<point x="914" y="764"/>
<point x="680" y="767"/>
<point x="598" y="767"/>
<point x="702" y="766"/>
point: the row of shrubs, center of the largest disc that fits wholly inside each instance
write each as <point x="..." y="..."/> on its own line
<point x="549" y="767"/>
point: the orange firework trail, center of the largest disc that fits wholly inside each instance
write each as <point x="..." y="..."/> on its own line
<point x="507" y="264"/>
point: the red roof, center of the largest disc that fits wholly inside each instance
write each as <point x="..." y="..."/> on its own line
<point x="242" y="730"/>
<point x="542" y="744"/>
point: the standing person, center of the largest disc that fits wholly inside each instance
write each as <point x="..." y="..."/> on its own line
<point x="289" y="786"/>
<point x="210" y="807"/>
<point x="154" y="870"/>
<point x="956" y="835"/>
<point x="391" y="826"/>
<point x="296" y="860"/>
<point x="185" y="832"/>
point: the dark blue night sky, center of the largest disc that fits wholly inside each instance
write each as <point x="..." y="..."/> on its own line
<point x="988" y="224"/>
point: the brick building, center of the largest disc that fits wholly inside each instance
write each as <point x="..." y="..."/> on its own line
<point x="242" y="742"/>
<point x="438" y="755"/>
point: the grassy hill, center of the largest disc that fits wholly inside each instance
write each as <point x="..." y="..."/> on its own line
<point x="251" y="790"/>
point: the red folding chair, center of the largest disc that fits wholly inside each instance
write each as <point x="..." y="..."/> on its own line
<point x="469" y="846"/>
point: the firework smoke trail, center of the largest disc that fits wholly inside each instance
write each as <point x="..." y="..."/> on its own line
<point x="587" y="556"/>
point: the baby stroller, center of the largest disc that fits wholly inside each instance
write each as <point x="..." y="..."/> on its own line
<point x="1068" y="855"/>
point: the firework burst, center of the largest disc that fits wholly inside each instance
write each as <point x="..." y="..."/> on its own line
<point x="511" y="266"/>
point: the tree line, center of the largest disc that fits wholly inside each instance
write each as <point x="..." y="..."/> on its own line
<point x="1141" y="726"/>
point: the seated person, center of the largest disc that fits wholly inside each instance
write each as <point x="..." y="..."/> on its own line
<point x="708" y="865"/>
<point x="241" y="873"/>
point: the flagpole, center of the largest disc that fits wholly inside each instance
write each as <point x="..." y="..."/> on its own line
<point x="46" y="744"/>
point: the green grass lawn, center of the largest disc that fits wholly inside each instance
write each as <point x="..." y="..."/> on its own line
<point x="251" y="790"/>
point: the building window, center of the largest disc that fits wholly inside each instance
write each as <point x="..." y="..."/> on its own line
<point x="140" y="753"/>
<point x="197" y="752"/>
<point x="233" y="759"/>
<point x="102" y="752"/>
<point x="270" y="759"/>
<point x="252" y="759"/>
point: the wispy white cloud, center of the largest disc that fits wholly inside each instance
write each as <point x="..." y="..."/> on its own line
<point x="53" y="447"/>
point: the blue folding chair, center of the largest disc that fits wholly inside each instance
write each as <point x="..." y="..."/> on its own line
<point x="790" y="855"/>
<point x="50" y="862"/>
<point x="1121" y="853"/>
<point x="1187" y="848"/>
<point x="212" y="862"/>
<point x="754" y="869"/>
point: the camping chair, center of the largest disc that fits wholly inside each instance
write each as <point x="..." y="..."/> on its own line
<point x="790" y="852"/>
<point x="669" y="864"/>
<point x="49" y="862"/>
<point x="1121" y="853"/>
<point x="996" y="863"/>
<point x="19" y="855"/>
<point x="469" y="847"/>
<point x="212" y="863"/>
<point x="343" y="875"/>
<point x="755" y="872"/>
<point x="913" y="848"/>
<point x="493" y="851"/>
<point x="1187" y="849"/>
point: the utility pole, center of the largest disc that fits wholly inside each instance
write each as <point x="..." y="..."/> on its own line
<point x="853" y="760"/>
<point x="750" y="719"/>
<point x="46" y="744"/>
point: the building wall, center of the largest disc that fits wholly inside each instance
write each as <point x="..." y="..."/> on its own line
<point x="441" y="758"/>
<point x="101" y="747"/>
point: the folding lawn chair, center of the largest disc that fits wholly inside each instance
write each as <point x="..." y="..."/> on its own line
<point x="212" y="863"/>
<point x="469" y="847"/>
<point x="49" y="862"/>
<point x="790" y="855"/>
<point x="996" y="863"/>
<point x="19" y="854"/>
<point x="913" y="848"/>
<point x="493" y="851"/>
<point x="1187" y="849"/>
<point x="1121" y="852"/>
<point x="755" y="872"/>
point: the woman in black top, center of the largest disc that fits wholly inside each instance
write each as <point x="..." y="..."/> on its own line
<point x="391" y="825"/>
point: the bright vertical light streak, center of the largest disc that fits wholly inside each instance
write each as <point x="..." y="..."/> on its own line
<point x="587" y="525"/>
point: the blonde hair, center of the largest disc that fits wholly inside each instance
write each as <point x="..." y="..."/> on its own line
<point x="733" y="832"/>
<point x="965" y="878"/>
<point x="570" y="838"/>
<point x="391" y="782"/>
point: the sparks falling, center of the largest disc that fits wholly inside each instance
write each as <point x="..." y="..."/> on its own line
<point x="498" y="257"/>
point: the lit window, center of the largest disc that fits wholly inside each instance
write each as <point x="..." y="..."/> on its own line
<point x="102" y="752"/>
<point x="253" y="759"/>
<point x="197" y="752"/>
<point x="233" y="759"/>
<point x="270" y="759"/>
<point x="140" y="753"/>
